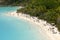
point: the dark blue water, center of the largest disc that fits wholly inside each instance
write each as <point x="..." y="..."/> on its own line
<point x="12" y="28"/>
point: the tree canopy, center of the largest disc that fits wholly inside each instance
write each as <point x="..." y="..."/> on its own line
<point x="48" y="10"/>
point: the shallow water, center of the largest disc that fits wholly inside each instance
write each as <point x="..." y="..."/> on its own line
<point x="12" y="28"/>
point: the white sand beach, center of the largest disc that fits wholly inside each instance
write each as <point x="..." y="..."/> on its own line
<point x="50" y="31"/>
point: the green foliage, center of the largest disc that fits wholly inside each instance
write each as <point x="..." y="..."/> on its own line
<point x="48" y="10"/>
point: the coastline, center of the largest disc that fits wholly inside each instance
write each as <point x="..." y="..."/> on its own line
<point x="50" y="31"/>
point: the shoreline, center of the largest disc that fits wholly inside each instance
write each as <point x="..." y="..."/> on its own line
<point x="50" y="31"/>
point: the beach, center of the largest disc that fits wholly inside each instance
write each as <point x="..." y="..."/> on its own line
<point x="49" y="31"/>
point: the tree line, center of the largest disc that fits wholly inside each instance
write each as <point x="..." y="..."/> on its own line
<point x="48" y="10"/>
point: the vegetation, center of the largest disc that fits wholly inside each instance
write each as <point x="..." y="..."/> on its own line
<point x="10" y="2"/>
<point x="48" y="10"/>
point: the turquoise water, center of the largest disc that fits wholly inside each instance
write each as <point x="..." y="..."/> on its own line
<point x="12" y="28"/>
<point x="7" y="9"/>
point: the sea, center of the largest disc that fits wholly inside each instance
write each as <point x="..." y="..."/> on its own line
<point x="13" y="28"/>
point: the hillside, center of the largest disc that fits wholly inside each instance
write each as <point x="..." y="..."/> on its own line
<point x="9" y="2"/>
<point x="48" y="10"/>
